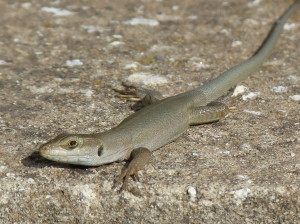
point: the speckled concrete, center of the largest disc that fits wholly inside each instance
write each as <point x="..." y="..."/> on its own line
<point x="58" y="69"/>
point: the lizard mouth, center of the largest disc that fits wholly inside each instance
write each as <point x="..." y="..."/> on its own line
<point x="63" y="156"/>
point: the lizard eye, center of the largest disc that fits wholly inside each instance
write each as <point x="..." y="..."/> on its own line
<point x="72" y="144"/>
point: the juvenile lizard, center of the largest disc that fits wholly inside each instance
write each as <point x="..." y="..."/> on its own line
<point x="161" y="121"/>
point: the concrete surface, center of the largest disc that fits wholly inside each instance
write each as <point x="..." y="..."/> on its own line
<point x="60" y="60"/>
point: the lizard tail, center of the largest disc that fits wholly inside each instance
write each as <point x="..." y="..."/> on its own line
<point x="220" y="85"/>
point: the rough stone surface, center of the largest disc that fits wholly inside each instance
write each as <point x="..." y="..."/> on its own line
<point x="60" y="60"/>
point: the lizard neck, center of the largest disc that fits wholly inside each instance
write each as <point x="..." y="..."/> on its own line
<point x="116" y="145"/>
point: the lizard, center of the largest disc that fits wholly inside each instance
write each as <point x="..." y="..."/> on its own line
<point x="160" y="121"/>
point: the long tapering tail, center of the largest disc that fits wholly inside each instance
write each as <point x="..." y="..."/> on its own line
<point x="220" y="85"/>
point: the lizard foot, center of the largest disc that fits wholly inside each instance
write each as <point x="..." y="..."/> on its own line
<point x="129" y="92"/>
<point x="124" y="177"/>
<point x="139" y="158"/>
<point x="141" y="96"/>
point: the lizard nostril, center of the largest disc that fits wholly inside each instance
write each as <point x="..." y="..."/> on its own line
<point x="42" y="149"/>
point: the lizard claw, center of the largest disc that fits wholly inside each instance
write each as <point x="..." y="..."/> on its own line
<point x="232" y="109"/>
<point x="129" y="92"/>
<point x="141" y="96"/>
<point x="139" y="158"/>
<point x="124" y="178"/>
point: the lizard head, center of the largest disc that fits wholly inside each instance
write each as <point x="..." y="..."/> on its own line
<point x="79" y="149"/>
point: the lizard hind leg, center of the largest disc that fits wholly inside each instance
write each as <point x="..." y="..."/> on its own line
<point x="212" y="112"/>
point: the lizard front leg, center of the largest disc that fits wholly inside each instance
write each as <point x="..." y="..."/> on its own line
<point x="138" y="159"/>
<point x="142" y="96"/>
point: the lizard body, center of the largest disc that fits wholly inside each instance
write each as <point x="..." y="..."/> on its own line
<point x="160" y="122"/>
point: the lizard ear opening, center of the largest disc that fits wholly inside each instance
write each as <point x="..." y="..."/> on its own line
<point x="100" y="150"/>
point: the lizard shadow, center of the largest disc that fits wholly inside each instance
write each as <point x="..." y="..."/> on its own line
<point x="37" y="161"/>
